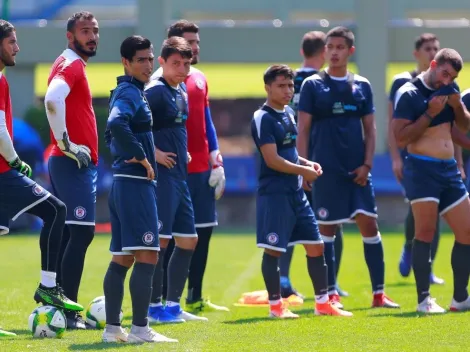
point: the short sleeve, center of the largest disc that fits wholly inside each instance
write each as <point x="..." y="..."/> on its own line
<point x="403" y="108"/>
<point x="70" y="73"/>
<point x="264" y="129"/>
<point x="466" y="99"/>
<point x="307" y="97"/>
<point x="397" y="83"/>
<point x="369" y="107"/>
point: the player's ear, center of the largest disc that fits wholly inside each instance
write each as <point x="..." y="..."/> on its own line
<point x="415" y="54"/>
<point x="352" y="50"/>
<point x="266" y="88"/>
<point x="70" y="36"/>
<point x="302" y="52"/>
<point x="161" y="61"/>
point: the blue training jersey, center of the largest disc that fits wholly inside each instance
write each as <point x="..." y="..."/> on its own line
<point x="169" y="107"/>
<point x="337" y="106"/>
<point x="270" y="126"/>
<point x="301" y="75"/>
<point x="129" y="128"/>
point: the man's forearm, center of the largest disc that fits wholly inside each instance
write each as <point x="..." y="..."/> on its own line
<point x="282" y="165"/>
<point x="392" y="143"/>
<point x="370" y="138"/>
<point x="412" y="132"/>
<point x="462" y="117"/>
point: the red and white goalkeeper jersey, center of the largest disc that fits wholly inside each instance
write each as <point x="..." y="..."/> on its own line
<point x="5" y="106"/>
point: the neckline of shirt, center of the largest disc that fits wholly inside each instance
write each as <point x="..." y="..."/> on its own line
<point x="345" y="78"/>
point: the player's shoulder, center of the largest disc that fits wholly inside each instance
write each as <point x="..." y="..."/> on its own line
<point x="259" y="115"/>
<point x="404" y="77"/>
<point x="406" y="91"/>
<point x="465" y="93"/>
<point x="155" y="85"/>
<point x="289" y="111"/>
<point x="156" y="75"/>
<point x="71" y="60"/>
<point x="358" y="79"/>
<point x="197" y="72"/>
<point x="3" y="80"/>
<point x="126" y="90"/>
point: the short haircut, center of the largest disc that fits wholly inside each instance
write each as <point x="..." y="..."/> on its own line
<point x="277" y="70"/>
<point x="6" y="28"/>
<point x="131" y="45"/>
<point x="180" y="27"/>
<point x="313" y="43"/>
<point x="449" y="56"/>
<point x="176" y="45"/>
<point x="77" y="16"/>
<point x="341" y="32"/>
<point x="423" y="39"/>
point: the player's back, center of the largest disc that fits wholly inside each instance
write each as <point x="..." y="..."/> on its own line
<point x="79" y="114"/>
<point x="301" y="75"/>
<point x="5" y="106"/>
<point x="398" y="81"/>
<point x="269" y="126"/>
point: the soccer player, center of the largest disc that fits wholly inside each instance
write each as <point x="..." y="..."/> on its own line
<point x="283" y="215"/>
<point x="336" y="120"/>
<point x="19" y="194"/>
<point x="72" y="165"/>
<point x="132" y="199"/>
<point x="168" y="101"/>
<point x="424" y="112"/>
<point x="426" y="47"/>
<point x="206" y="177"/>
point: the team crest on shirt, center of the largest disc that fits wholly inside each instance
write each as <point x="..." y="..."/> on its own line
<point x="272" y="238"/>
<point x="199" y="83"/>
<point x="79" y="212"/>
<point x="322" y="213"/>
<point x="38" y="190"/>
<point x="160" y="225"/>
<point x="148" y="238"/>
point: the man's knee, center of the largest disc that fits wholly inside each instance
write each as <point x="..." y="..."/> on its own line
<point x="314" y="250"/>
<point x="186" y="242"/>
<point x="367" y="225"/>
<point x="273" y="253"/>
<point x="328" y="230"/>
<point x="146" y="256"/>
<point x="81" y="234"/>
<point x="124" y="260"/>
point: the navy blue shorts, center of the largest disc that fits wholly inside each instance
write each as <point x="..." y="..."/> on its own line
<point x="175" y="210"/>
<point x="285" y="220"/>
<point x="203" y="199"/>
<point x="338" y="199"/>
<point x="428" y="179"/>
<point x="18" y="194"/>
<point x="76" y="188"/>
<point x="134" y="219"/>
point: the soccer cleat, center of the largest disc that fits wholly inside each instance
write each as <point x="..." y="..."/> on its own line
<point x="177" y="312"/>
<point x="114" y="334"/>
<point x="75" y="321"/>
<point x="141" y="334"/>
<point x="336" y="300"/>
<point x="279" y="311"/>
<point x="204" y="306"/>
<point x="341" y="293"/>
<point x="429" y="306"/>
<point x="405" y="262"/>
<point x="55" y="296"/>
<point x="161" y="316"/>
<point x="381" y="300"/>
<point x="4" y="333"/>
<point x="329" y="308"/>
<point x="460" y="306"/>
<point x="434" y="280"/>
<point x="287" y="291"/>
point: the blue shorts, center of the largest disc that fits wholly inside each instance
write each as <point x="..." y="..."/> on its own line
<point x="134" y="219"/>
<point x="18" y="194"/>
<point x="175" y="210"/>
<point x="76" y="188"/>
<point x="338" y="199"/>
<point x="285" y="220"/>
<point x="203" y="199"/>
<point x="428" y="179"/>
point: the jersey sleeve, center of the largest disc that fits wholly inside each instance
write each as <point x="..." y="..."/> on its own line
<point x="369" y="107"/>
<point x="403" y="107"/>
<point x="70" y="73"/>
<point x="396" y="84"/>
<point x="264" y="129"/>
<point x="307" y="97"/>
<point x="466" y="99"/>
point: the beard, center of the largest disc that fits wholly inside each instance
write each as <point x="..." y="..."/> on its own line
<point x="6" y="59"/>
<point x="195" y="60"/>
<point x="81" y="49"/>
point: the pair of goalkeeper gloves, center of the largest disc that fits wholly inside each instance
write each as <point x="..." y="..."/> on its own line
<point x="217" y="177"/>
<point x="78" y="152"/>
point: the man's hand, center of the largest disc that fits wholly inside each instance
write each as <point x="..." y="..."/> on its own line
<point x="189" y="158"/>
<point x="145" y="163"/>
<point x="436" y="104"/>
<point x="307" y="185"/>
<point x="309" y="175"/>
<point x="21" y="167"/>
<point x="217" y="177"/>
<point x="165" y="158"/>
<point x="397" y="167"/>
<point x="454" y="100"/>
<point x="362" y="174"/>
<point x="79" y="153"/>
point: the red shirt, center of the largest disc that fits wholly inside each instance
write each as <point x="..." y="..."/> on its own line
<point x="80" y="117"/>
<point x="198" y="100"/>
<point x="5" y="105"/>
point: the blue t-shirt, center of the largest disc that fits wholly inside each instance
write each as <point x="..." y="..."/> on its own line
<point x="300" y="76"/>
<point x="337" y="107"/>
<point x="169" y="107"/>
<point x="270" y="126"/>
<point x="398" y="81"/>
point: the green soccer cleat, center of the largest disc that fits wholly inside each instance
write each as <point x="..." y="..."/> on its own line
<point x="204" y="306"/>
<point x="54" y="296"/>
<point x="4" y="333"/>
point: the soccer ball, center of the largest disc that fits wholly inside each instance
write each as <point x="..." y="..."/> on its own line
<point x="96" y="313"/>
<point x="47" y="321"/>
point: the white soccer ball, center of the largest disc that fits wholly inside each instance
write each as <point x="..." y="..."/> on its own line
<point x="96" y="313"/>
<point x="47" y="321"/>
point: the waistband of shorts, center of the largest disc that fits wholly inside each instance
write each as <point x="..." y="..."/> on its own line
<point x="132" y="178"/>
<point x="430" y="158"/>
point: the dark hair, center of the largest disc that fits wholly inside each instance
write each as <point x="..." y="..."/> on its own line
<point x="77" y="16"/>
<point x="423" y="39"/>
<point x="277" y="70"/>
<point x="180" y="27"/>
<point x="341" y="32"/>
<point x="6" y="28"/>
<point x="176" y="45"/>
<point x="313" y="43"/>
<point x="449" y="56"/>
<point x="131" y="45"/>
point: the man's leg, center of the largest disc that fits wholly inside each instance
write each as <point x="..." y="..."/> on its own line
<point x="63" y="246"/>
<point x="434" y="245"/>
<point x="405" y="259"/>
<point x="338" y="255"/>
<point x="166" y="255"/>
<point x="328" y="236"/>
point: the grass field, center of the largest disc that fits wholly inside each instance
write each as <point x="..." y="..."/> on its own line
<point x="234" y="267"/>
<point x="235" y="80"/>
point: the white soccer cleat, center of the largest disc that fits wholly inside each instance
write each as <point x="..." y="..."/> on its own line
<point x="190" y="317"/>
<point x="114" y="334"/>
<point x="460" y="306"/>
<point x="429" y="306"/>
<point x="142" y="334"/>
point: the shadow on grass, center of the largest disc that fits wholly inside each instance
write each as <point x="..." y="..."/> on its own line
<point x="401" y="314"/>
<point x="247" y="320"/>
<point x="401" y="284"/>
<point x="22" y="332"/>
<point x="97" y="346"/>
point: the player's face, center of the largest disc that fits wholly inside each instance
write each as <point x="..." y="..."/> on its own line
<point x="175" y="68"/>
<point x="442" y="75"/>
<point x="85" y="37"/>
<point x="281" y="90"/>
<point x="426" y="53"/>
<point x="141" y="66"/>
<point x="8" y="50"/>
<point x="193" y="40"/>
<point x="337" y="52"/>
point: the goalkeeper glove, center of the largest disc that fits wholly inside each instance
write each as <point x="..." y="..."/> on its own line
<point x="21" y="167"/>
<point x="78" y="152"/>
<point x="217" y="177"/>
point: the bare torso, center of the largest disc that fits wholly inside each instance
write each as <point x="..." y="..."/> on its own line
<point x="436" y="142"/>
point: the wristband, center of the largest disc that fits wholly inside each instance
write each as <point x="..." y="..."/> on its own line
<point x="368" y="166"/>
<point x="428" y="116"/>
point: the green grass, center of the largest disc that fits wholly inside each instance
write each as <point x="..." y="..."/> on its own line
<point x="232" y="80"/>
<point x="233" y="268"/>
